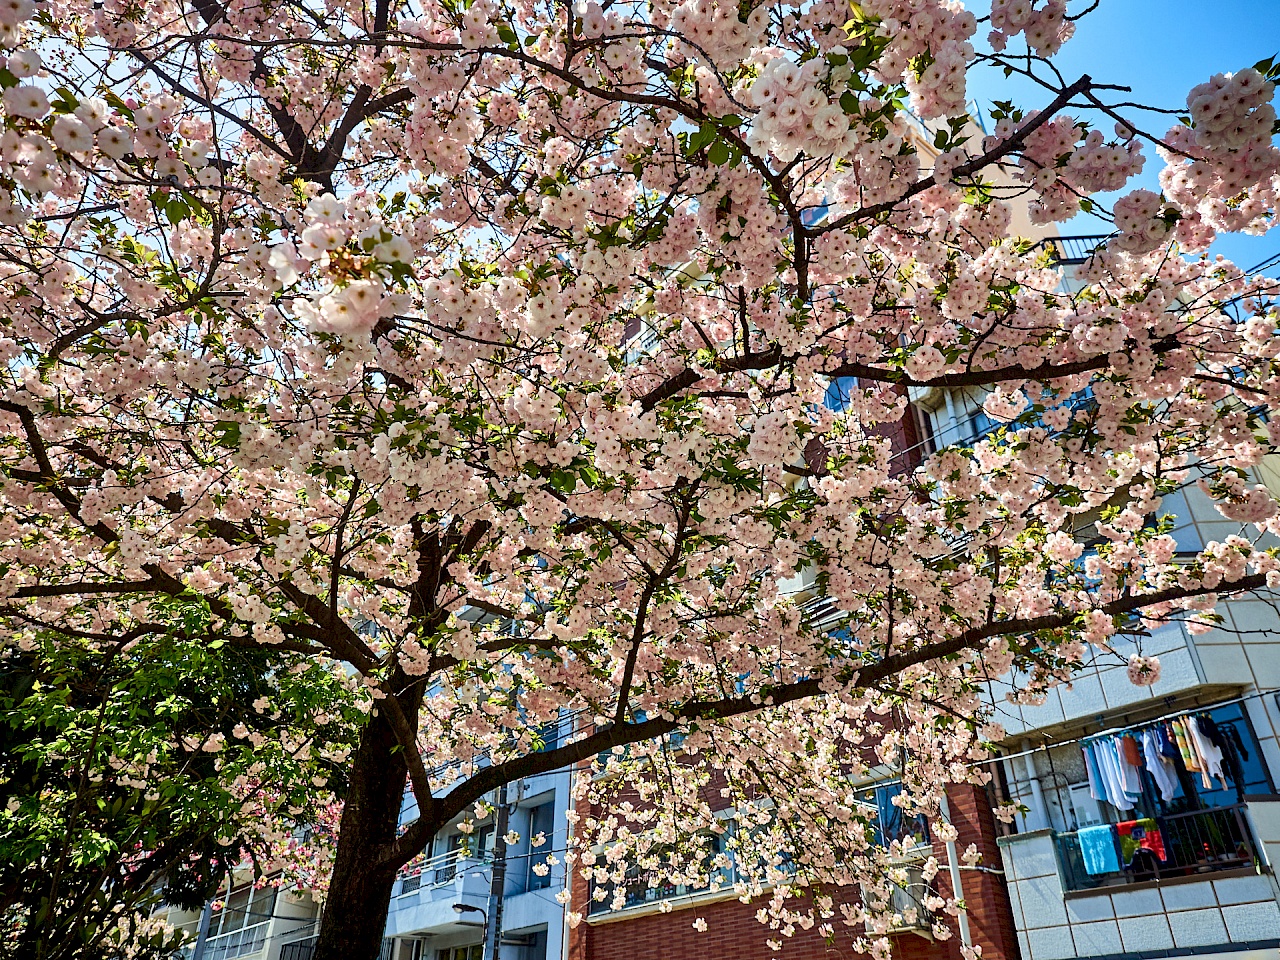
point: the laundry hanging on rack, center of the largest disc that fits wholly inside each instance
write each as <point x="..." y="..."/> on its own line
<point x="1118" y="780"/>
<point x="1115" y="760"/>
<point x="1159" y="765"/>
<point x="1209" y="754"/>
<point x="1184" y="746"/>
<point x="1130" y="757"/>
<point x="1164" y="739"/>
<point x="1113" y="777"/>
<point x="1135" y="835"/>
<point x="1096" y="788"/>
<point x="1129" y="751"/>
<point x="1227" y="739"/>
<point x="1098" y="849"/>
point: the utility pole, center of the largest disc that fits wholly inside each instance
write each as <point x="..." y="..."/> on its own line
<point x="493" y="929"/>
<point x="202" y="935"/>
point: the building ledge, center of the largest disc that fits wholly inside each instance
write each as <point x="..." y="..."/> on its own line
<point x="1253" y="950"/>
<point x="1165" y="882"/>
<point x="676" y="903"/>
<point x="1028" y="835"/>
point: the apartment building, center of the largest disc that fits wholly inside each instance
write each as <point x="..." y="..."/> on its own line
<point x="442" y="903"/>
<point x="248" y="921"/>
<point x="1180" y="859"/>
<point x="445" y="900"/>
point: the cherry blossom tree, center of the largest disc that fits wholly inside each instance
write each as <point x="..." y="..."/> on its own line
<point x="479" y="349"/>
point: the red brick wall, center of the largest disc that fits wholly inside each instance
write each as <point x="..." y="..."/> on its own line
<point x="733" y="933"/>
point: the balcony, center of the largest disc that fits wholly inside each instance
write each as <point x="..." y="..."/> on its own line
<point x="905" y="910"/>
<point x="427" y="890"/>
<point x="244" y="942"/>
<point x="1070" y="251"/>
<point x="1196" y="844"/>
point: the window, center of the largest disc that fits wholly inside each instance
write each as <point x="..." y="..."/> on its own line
<point x="650" y="886"/>
<point x="541" y="820"/>
<point x="891" y="823"/>
<point x="838" y="391"/>
<point x="473" y="952"/>
<point x="479" y="846"/>
<point x="240" y="927"/>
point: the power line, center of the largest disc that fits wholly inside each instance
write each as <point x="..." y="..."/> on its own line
<point x="1120" y="729"/>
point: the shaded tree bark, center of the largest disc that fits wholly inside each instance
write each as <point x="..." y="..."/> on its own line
<point x="364" y="877"/>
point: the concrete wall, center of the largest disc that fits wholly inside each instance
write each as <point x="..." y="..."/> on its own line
<point x="427" y="912"/>
<point x="1196" y="914"/>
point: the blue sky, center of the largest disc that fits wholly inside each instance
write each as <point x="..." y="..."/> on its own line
<point x="1161" y="48"/>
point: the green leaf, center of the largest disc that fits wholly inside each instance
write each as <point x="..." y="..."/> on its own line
<point x="719" y="153"/>
<point x="228" y="433"/>
<point x="563" y="481"/>
<point x="66" y="101"/>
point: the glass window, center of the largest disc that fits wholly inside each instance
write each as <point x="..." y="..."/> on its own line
<point x="890" y="822"/>
<point x="240" y="927"/>
<point x="541" y="820"/>
<point x="838" y="393"/>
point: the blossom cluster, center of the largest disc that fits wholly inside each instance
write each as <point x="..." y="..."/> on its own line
<point x="501" y="366"/>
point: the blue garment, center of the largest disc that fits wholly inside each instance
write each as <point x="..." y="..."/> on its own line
<point x="1108" y="757"/>
<point x="1096" y="789"/>
<point x="1167" y="747"/>
<point x="1098" y="849"/>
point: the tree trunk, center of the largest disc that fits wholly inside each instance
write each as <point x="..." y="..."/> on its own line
<point x="355" y="910"/>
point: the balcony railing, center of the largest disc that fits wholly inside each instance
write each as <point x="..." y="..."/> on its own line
<point x="438" y="870"/>
<point x="907" y="910"/>
<point x="238" y="943"/>
<point x="1200" y="842"/>
<point x="298" y="949"/>
<point x="653" y="887"/>
<point x="1068" y="251"/>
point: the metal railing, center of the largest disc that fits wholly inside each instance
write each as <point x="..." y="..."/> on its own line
<point x="298" y="949"/>
<point x="653" y="886"/>
<point x="1200" y="842"/>
<point x="438" y="870"/>
<point x="1068" y="251"/>
<point x="237" y="943"/>
<point x="905" y="911"/>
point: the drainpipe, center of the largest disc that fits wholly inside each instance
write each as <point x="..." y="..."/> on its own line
<point x="568" y="878"/>
<point x="1041" y="819"/>
<point x="957" y="885"/>
<point x="953" y="419"/>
